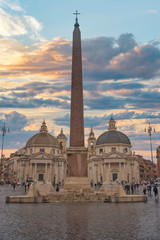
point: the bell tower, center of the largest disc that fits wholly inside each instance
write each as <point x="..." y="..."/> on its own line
<point x="91" y="143"/>
<point x="112" y="125"/>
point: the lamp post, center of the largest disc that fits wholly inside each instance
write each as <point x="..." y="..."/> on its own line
<point x="149" y="129"/>
<point x="4" y="131"/>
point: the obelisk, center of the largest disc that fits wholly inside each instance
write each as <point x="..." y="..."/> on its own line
<point x="76" y="118"/>
<point x="77" y="153"/>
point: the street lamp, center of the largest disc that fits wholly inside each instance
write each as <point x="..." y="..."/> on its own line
<point x="4" y="131"/>
<point x="149" y="129"/>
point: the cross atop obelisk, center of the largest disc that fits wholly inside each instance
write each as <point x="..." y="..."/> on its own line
<point x="76" y="24"/>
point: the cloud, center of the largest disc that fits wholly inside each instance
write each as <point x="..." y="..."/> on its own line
<point x="14" y="121"/>
<point x="15" y="50"/>
<point x="13" y="21"/>
<point x="103" y="59"/>
<point x="97" y="121"/>
<point x="33" y="95"/>
<point x="152" y="11"/>
<point x="50" y="59"/>
<point x="100" y="50"/>
<point x="9" y="4"/>
<point x="11" y="25"/>
<point x="33" y="23"/>
<point x="13" y="102"/>
<point x="142" y="62"/>
<point x="17" y="139"/>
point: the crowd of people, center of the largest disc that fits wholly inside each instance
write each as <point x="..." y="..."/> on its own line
<point x="14" y="184"/>
<point x="130" y="188"/>
<point x="147" y="187"/>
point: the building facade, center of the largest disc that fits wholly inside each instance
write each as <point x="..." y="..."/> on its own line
<point x="110" y="157"/>
<point x="43" y="158"/>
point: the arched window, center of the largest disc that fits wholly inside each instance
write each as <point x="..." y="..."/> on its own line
<point x="125" y="150"/>
<point x="101" y="150"/>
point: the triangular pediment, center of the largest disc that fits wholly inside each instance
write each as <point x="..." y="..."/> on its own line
<point x="41" y="155"/>
<point x="114" y="155"/>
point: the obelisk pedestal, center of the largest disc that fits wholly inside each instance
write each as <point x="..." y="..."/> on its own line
<point x="77" y="162"/>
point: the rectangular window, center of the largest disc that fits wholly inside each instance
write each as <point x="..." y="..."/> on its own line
<point x="113" y="149"/>
<point x="42" y="150"/>
<point x="40" y="177"/>
<point x="114" y="176"/>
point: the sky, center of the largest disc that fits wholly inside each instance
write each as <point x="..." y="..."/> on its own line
<point x="121" y="68"/>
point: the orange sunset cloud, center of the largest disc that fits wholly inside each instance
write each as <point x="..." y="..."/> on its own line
<point x="47" y="58"/>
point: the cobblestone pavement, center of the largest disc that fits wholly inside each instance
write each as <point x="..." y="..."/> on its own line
<point x="78" y="221"/>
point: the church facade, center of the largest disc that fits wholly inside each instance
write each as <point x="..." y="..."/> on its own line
<point x="110" y="157"/>
<point x="43" y="158"/>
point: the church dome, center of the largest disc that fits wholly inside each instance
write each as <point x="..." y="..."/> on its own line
<point x="43" y="138"/>
<point x="112" y="135"/>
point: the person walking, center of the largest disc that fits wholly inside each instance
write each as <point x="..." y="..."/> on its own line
<point x="132" y="189"/>
<point x="25" y="187"/>
<point x="144" y="190"/>
<point x="155" y="190"/>
<point x="57" y="188"/>
<point x="14" y="185"/>
<point x="149" y="189"/>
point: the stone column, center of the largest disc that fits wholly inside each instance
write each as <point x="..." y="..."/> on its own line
<point x="35" y="171"/>
<point x="63" y="170"/>
<point x="125" y="175"/>
<point x="106" y="172"/>
<point x="105" y="177"/>
<point x="123" y="178"/>
<point x="103" y="172"/>
<point x="46" y="176"/>
<point x="51" y="173"/>
<point x="109" y="172"/>
<point x="60" y="172"/>
<point x="120" y="172"/>
<point x="94" y="173"/>
<point x="30" y="171"/>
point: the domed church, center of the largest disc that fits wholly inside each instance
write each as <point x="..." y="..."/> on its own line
<point x="43" y="158"/>
<point x="110" y="157"/>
